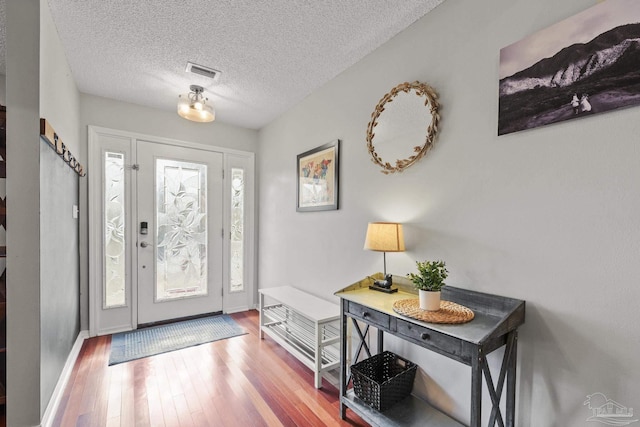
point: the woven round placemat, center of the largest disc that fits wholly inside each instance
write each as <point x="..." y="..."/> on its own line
<point x="449" y="312"/>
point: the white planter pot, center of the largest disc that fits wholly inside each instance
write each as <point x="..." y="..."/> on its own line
<point x="429" y="300"/>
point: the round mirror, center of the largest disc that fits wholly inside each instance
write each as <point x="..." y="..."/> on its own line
<point x="406" y="130"/>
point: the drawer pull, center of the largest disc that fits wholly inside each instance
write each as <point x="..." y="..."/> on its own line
<point x="365" y="314"/>
<point x="425" y="336"/>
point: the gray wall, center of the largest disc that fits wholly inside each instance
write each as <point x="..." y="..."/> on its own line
<point x="23" y="213"/>
<point x="547" y="215"/>
<point x="39" y="334"/>
<point x="3" y="91"/>
<point x="59" y="267"/>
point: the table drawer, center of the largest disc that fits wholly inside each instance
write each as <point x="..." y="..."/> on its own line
<point x="429" y="338"/>
<point x="368" y="315"/>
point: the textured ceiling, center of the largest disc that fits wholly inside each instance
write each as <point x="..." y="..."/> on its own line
<point x="272" y="53"/>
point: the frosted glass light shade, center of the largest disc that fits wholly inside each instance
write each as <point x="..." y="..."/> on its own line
<point x="193" y="106"/>
<point x="384" y="237"/>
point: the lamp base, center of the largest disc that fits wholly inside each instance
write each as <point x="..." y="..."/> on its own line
<point x="385" y="290"/>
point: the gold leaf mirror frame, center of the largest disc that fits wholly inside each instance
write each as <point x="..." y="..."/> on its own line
<point x="419" y="151"/>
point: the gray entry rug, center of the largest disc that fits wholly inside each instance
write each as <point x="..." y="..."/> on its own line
<point x="146" y="342"/>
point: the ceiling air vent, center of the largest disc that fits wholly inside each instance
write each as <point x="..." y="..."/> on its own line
<point x="203" y="71"/>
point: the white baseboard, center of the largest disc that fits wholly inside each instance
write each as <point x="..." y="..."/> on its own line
<point x="236" y="309"/>
<point x="54" y="402"/>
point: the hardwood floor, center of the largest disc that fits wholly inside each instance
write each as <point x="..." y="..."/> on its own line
<point x="241" y="381"/>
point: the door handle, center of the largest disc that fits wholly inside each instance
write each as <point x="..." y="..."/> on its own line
<point x="144" y="244"/>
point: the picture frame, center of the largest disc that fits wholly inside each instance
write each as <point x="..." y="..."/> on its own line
<point x="578" y="67"/>
<point x="317" y="178"/>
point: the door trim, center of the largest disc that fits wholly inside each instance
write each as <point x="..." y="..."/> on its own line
<point x="95" y="221"/>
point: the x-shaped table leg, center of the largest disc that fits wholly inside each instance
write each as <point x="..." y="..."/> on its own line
<point x="363" y="342"/>
<point x="496" y="392"/>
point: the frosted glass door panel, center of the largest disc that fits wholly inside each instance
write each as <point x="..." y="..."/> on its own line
<point x="181" y="229"/>
<point x="237" y="230"/>
<point x="114" y="231"/>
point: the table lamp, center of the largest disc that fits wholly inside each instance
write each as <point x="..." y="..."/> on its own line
<point x="384" y="237"/>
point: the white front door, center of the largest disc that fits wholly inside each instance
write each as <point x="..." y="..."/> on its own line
<point x="197" y="253"/>
<point x="179" y="231"/>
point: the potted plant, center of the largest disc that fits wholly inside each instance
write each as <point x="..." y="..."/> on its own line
<point x="429" y="282"/>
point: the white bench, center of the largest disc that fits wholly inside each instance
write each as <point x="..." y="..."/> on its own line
<point x="307" y="326"/>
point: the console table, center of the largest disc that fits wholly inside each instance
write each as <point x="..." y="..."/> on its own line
<point x="495" y="325"/>
<point x="307" y="326"/>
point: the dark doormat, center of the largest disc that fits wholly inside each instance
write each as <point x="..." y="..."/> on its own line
<point x="146" y="342"/>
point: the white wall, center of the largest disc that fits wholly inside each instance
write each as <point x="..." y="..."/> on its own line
<point x="59" y="96"/>
<point x="547" y="215"/>
<point x="109" y="113"/>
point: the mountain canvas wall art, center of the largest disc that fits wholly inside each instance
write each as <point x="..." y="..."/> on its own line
<point x="584" y="65"/>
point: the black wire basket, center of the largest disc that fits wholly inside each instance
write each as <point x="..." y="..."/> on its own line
<point x="383" y="380"/>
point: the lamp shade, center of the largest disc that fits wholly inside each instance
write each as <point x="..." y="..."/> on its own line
<point x="384" y="237"/>
<point x="193" y="106"/>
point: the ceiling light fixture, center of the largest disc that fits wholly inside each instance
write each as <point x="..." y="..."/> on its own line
<point x="193" y="106"/>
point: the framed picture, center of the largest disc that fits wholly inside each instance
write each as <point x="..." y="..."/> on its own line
<point x="318" y="178"/>
<point x="584" y="65"/>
